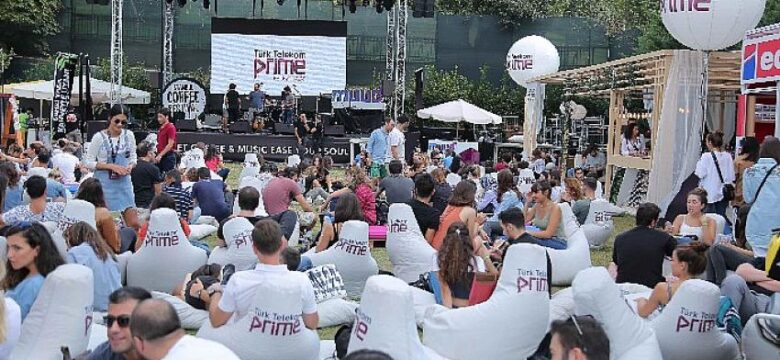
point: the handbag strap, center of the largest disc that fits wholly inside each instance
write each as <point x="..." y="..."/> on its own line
<point x="717" y="166"/>
<point x="761" y="186"/>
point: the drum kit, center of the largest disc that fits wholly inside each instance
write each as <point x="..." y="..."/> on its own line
<point x="273" y="112"/>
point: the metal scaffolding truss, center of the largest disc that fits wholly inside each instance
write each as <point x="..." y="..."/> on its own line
<point x="395" y="56"/>
<point x="116" y="51"/>
<point x="168" y="19"/>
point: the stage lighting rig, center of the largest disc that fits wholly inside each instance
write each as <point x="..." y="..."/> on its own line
<point x="388" y="4"/>
<point x="352" y="6"/>
<point x="280" y="2"/>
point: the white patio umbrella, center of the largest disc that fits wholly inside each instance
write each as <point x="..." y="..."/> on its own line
<point x="101" y="92"/>
<point x="457" y="111"/>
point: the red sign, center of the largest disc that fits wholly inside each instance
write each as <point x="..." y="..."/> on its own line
<point x="768" y="58"/>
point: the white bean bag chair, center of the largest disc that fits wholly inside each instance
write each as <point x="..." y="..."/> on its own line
<point x="250" y="160"/>
<point x="568" y="262"/>
<point x="423" y="300"/>
<point x="754" y="344"/>
<point x="121" y="261"/>
<point x="257" y="184"/>
<point x="166" y="255"/>
<point x="190" y="317"/>
<point x="207" y="220"/>
<point x="598" y="225"/>
<point x="273" y="329"/>
<point x="562" y="304"/>
<point x="385" y="321"/>
<point x="293" y="160"/>
<point x="295" y="238"/>
<point x="335" y="312"/>
<point x="200" y="231"/>
<point x="60" y="316"/>
<point x="99" y="335"/>
<point x="453" y="179"/>
<point x="250" y="171"/>
<point x="630" y="337"/>
<point x="689" y="319"/>
<point x="720" y="222"/>
<point x="409" y="252"/>
<point x="351" y="255"/>
<point x="238" y="237"/>
<point x="75" y="211"/>
<point x="519" y="305"/>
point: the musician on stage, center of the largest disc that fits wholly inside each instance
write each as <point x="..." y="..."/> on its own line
<point x="256" y="101"/>
<point x="288" y="100"/>
<point x="315" y="134"/>
<point x="233" y="104"/>
<point x="302" y="130"/>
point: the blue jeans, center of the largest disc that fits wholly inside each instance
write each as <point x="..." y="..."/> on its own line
<point x="305" y="264"/>
<point x="201" y="245"/>
<point x="552" y="243"/>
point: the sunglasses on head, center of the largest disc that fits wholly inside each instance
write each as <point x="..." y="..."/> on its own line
<point x="122" y="320"/>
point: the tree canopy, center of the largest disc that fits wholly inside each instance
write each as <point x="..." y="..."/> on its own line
<point x="26" y="24"/>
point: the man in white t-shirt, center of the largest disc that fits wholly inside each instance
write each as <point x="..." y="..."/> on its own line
<point x="67" y="163"/>
<point x="267" y="244"/>
<point x="157" y="334"/>
<point x="396" y="141"/>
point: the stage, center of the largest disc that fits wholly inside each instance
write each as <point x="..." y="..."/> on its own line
<point x="273" y="147"/>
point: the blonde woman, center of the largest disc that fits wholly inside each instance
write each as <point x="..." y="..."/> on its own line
<point x="10" y="322"/>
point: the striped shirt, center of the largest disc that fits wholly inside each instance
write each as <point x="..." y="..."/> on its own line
<point x="183" y="200"/>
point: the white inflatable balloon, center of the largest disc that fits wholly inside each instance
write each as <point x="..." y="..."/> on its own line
<point x="530" y="57"/>
<point x="710" y="24"/>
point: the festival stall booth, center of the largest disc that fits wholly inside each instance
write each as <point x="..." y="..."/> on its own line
<point x="759" y="112"/>
<point x="672" y="81"/>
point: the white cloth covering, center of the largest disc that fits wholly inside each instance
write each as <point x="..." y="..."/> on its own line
<point x="407" y="248"/>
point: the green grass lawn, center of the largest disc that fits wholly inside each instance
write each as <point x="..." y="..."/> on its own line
<point x="599" y="257"/>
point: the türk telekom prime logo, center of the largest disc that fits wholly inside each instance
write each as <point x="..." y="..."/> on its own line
<point x="280" y="65"/>
<point x="674" y="6"/>
<point x="520" y="62"/>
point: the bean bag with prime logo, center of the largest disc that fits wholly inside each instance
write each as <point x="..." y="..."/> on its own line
<point x="568" y="262"/>
<point x="3" y="248"/>
<point x="60" y="316"/>
<point x="385" y="321"/>
<point x="351" y="255"/>
<point x="690" y="318"/>
<point x="166" y="255"/>
<point x="409" y="252"/>
<point x="519" y="305"/>
<point x="598" y="225"/>
<point x="273" y="328"/>
<point x="756" y="339"/>
<point x="630" y="337"/>
<point x="75" y="210"/>
<point x="238" y="237"/>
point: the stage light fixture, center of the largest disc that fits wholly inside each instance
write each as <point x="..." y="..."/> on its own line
<point x="169" y="1"/>
<point x="206" y="4"/>
<point x="366" y="3"/>
<point x="280" y="2"/>
<point x="352" y="6"/>
<point x="388" y="4"/>
<point x="182" y="3"/>
<point x="378" y="6"/>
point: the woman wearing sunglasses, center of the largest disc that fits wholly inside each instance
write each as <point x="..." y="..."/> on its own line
<point x="112" y="156"/>
<point x="31" y="256"/>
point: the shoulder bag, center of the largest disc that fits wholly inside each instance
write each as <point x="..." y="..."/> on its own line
<point x="727" y="190"/>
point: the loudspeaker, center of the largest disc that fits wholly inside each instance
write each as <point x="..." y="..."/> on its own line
<point x="240" y="127"/>
<point x="324" y="104"/>
<point x="94" y="126"/>
<point x="308" y="104"/>
<point x="419" y="76"/>
<point x="334" y="130"/>
<point x="388" y="87"/>
<point x="178" y="115"/>
<point x="187" y="125"/>
<point x="284" y="129"/>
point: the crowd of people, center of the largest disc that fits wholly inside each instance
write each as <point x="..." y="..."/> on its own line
<point x="469" y="212"/>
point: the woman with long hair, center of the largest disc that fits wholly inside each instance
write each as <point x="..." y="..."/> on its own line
<point x="461" y="208"/>
<point x="688" y="262"/>
<point x="10" y="322"/>
<point x="632" y="143"/>
<point x="715" y="169"/>
<point x="14" y="192"/>
<point x="458" y="260"/>
<point x="695" y="225"/>
<point x="360" y="185"/>
<point x="91" y="191"/>
<point x="85" y="247"/>
<point x="347" y="208"/>
<point x="112" y="156"/>
<point x="507" y="197"/>
<point x="31" y="256"/>
<point x="545" y="215"/>
<point x="442" y="190"/>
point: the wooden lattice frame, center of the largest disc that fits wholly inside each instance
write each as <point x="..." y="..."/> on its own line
<point x="619" y="79"/>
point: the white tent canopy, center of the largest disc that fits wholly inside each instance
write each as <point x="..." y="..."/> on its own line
<point x="101" y="92"/>
<point x="457" y="111"/>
